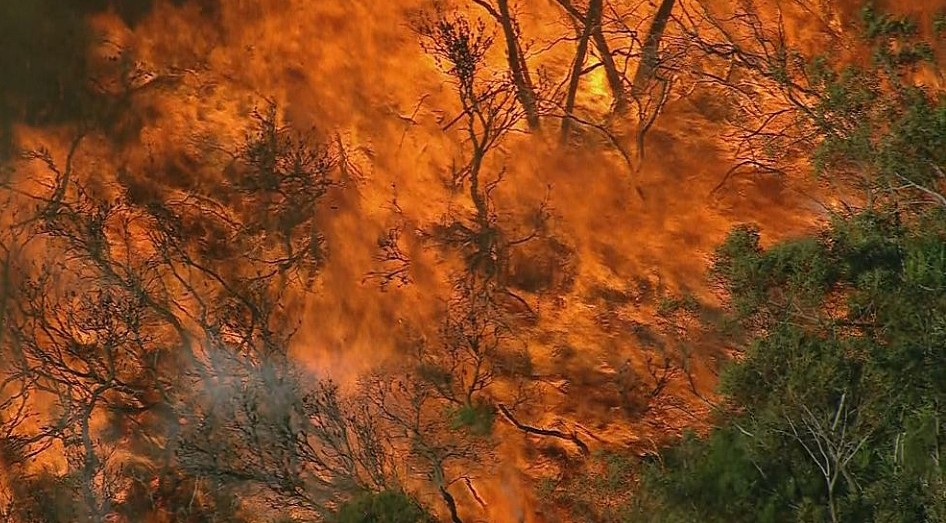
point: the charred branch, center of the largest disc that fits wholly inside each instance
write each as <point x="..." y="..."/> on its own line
<point x="573" y="437"/>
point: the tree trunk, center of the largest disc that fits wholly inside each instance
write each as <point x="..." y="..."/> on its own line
<point x="451" y="505"/>
<point x="615" y="81"/>
<point x="97" y="511"/>
<point x="592" y="18"/>
<point x="610" y="69"/>
<point x="648" y="62"/>
<point x="525" y="92"/>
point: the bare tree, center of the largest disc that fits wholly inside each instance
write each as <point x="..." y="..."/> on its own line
<point x="442" y="405"/>
<point x="489" y="115"/>
<point x="300" y="445"/>
<point x="476" y="346"/>
<point x="605" y="54"/>
<point x="650" y="86"/>
<point x="518" y="68"/>
<point x="751" y="65"/>
<point x="438" y="448"/>
<point x="143" y="321"/>
<point x="395" y="264"/>
<point x="90" y="353"/>
<point x="592" y="20"/>
<point x="648" y="61"/>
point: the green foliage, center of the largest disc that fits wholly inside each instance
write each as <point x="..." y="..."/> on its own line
<point x="879" y="25"/>
<point x="477" y="417"/>
<point x="873" y="120"/>
<point x="763" y="283"/>
<point x="669" y="304"/>
<point x="836" y="410"/>
<point x="389" y="506"/>
<point x="848" y="325"/>
<point x="939" y="23"/>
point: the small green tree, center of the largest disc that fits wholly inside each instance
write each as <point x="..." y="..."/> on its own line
<point x="389" y="506"/>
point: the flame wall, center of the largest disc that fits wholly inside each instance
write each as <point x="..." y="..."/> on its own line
<point x="353" y="72"/>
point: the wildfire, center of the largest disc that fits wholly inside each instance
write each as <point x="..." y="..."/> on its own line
<point x="591" y="243"/>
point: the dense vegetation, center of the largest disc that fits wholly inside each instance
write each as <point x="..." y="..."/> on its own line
<point x="383" y="507"/>
<point x="835" y="409"/>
